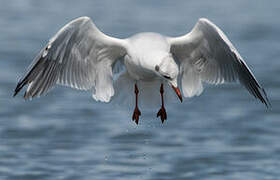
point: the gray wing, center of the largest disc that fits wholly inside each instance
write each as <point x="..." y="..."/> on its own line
<point x="206" y="55"/>
<point x="79" y="56"/>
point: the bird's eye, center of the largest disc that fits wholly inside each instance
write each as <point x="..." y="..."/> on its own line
<point x="157" y="68"/>
<point x="167" y="77"/>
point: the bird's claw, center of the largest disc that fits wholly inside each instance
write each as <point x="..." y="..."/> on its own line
<point x="162" y="114"/>
<point x="136" y="114"/>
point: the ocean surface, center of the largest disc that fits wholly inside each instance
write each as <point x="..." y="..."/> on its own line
<point x="223" y="134"/>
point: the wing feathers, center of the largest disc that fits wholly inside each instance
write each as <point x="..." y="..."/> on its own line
<point x="251" y="84"/>
<point x="213" y="59"/>
<point x="71" y="58"/>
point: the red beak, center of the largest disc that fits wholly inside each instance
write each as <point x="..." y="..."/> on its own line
<point x="178" y="92"/>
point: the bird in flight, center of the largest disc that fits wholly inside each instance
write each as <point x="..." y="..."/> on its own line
<point x="82" y="57"/>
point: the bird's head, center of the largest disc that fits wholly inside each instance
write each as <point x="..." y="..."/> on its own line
<point x="168" y="70"/>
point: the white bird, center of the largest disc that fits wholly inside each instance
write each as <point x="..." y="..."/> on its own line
<point x="82" y="57"/>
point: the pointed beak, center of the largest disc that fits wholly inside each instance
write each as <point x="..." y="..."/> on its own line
<point x="178" y="92"/>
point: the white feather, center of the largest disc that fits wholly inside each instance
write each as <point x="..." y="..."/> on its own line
<point x="81" y="56"/>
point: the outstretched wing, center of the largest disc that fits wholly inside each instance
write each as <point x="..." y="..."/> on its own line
<point x="79" y="56"/>
<point x="206" y="55"/>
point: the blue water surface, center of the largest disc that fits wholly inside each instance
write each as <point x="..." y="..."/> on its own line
<point x="223" y="134"/>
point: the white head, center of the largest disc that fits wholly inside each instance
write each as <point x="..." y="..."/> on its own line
<point x="169" y="71"/>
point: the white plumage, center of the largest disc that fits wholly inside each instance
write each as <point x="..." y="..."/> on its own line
<point x="82" y="57"/>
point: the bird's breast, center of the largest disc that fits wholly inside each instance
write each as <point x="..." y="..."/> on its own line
<point x="138" y="70"/>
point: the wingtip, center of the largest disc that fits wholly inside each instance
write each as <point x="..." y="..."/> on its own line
<point x="266" y="100"/>
<point x="268" y="104"/>
<point x="18" y="88"/>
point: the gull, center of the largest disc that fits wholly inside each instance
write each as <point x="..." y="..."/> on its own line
<point x="80" y="56"/>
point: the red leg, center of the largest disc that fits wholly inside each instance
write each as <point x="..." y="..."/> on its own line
<point x="136" y="113"/>
<point x="162" y="112"/>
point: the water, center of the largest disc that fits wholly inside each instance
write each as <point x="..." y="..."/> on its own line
<point x="223" y="134"/>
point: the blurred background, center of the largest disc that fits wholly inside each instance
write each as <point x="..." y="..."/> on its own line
<point x="223" y="134"/>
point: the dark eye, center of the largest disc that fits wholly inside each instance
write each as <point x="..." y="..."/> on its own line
<point x="157" y="68"/>
<point x="167" y="77"/>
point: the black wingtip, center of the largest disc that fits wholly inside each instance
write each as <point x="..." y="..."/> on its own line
<point x="18" y="88"/>
<point x="266" y="100"/>
<point x="252" y="84"/>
